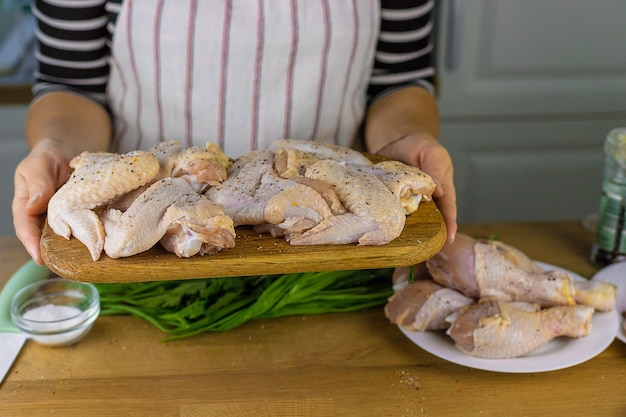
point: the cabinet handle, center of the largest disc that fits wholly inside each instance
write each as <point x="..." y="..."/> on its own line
<point x="454" y="29"/>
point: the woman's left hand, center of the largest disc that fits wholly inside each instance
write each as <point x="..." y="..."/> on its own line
<point x="429" y="155"/>
<point x="404" y="125"/>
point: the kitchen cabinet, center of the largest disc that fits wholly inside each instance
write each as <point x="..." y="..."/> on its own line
<point x="17" y="63"/>
<point x="528" y="91"/>
<point x="12" y="149"/>
<point x="17" y="39"/>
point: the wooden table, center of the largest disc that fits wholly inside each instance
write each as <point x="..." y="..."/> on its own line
<point x="354" y="364"/>
<point x="15" y="94"/>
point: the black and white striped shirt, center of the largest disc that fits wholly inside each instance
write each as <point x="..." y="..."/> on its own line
<point x="78" y="52"/>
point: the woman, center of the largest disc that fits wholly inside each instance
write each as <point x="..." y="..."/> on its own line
<point x="126" y="74"/>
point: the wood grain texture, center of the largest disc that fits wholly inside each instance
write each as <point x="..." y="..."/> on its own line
<point x="423" y="236"/>
<point x="348" y="364"/>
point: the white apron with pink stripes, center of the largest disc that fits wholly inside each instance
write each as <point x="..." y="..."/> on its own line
<point x="241" y="73"/>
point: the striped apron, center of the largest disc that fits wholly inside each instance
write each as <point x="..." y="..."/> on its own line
<point x="241" y="73"/>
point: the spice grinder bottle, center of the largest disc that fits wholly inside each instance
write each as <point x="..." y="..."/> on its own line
<point x="610" y="240"/>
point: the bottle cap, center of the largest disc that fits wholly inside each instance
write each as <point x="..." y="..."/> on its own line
<point x="615" y="144"/>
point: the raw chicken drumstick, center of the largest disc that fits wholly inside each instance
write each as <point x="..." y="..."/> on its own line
<point x="498" y="329"/>
<point x="481" y="269"/>
<point x="424" y="305"/>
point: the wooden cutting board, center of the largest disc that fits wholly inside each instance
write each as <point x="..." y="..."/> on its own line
<point x="423" y="236"/>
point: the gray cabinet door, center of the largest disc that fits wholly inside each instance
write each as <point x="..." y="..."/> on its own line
<point x="504" y="57"/>
<point x="528" y="91"/>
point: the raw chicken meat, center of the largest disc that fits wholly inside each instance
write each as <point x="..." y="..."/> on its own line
<point x="319" y="150"/>
<point x="255" y="195"/>
<point x="199" y="227"/>
<point x="481" y="269"/>
<point x="98" y="178"/>
<point x="238" y="195"/>
<point x="325" y="190"/>
<point x="166" y="203"/>
<point x="510" y="306"/>
<point x="424" y="305"/>
<point x="296" y="209"/>
<point x="408" y="184"/>
<point x="403" y="274"/>
<point x="375" y="216"/>
<point x="290" y="163"/>
<point x="498" y="329"/>
<point x="598" y="294"/>
<point x="360" y="202"/>
<point x="308" y="192"/>
<point x="201" y="167"/>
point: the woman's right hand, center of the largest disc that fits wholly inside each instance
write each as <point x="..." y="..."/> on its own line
<point x="37" y="177"/>
<point x="82" y="125"/>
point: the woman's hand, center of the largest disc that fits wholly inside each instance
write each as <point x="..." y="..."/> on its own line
<point x="404" y="125"/>
<point x="37" y="178"/>
<point x="77" y="124"/>
<point x="429" y="155"/>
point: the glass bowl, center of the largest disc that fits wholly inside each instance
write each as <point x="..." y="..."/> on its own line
<point x="57" y="311"/>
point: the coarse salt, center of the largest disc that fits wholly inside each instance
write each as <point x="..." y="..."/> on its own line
<point x="51" y="312"/>
<point x="50" y="318"/>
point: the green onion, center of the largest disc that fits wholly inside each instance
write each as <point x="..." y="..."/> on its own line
<point x="185" y="308"/>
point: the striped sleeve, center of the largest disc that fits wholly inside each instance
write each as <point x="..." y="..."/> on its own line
<point x="404" y="54"/>
<point x="73" y="47"/>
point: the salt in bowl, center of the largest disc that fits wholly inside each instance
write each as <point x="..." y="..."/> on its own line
<point x="57" y="311"/>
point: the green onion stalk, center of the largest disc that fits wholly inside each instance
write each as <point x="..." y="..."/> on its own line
<point x="184" y="308"/>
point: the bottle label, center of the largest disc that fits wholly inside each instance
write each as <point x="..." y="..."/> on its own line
<point x="610" y="234"/>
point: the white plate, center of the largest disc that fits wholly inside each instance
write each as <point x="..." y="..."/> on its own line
<point x="559" y="353"/>
<point x="616" y="274"/>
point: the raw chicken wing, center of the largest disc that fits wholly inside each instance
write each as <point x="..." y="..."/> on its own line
<point x="198" y="227"/>
<point x="290" y="163"/>
<point x="98" y="178"/>
<point x="409" y="184"/>
<point x="238" y="195"/>
<point x="255" y="195"/>
<point x="201" y="167"/>
<point x="325" y="190"/>
<point x="164" y="204"/>
<point x="375" y="216"/>
<point x="321" y="150"/>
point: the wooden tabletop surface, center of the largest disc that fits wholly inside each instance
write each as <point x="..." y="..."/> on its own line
<point x="351" y="364"/>
<point x="15" y="94"/>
